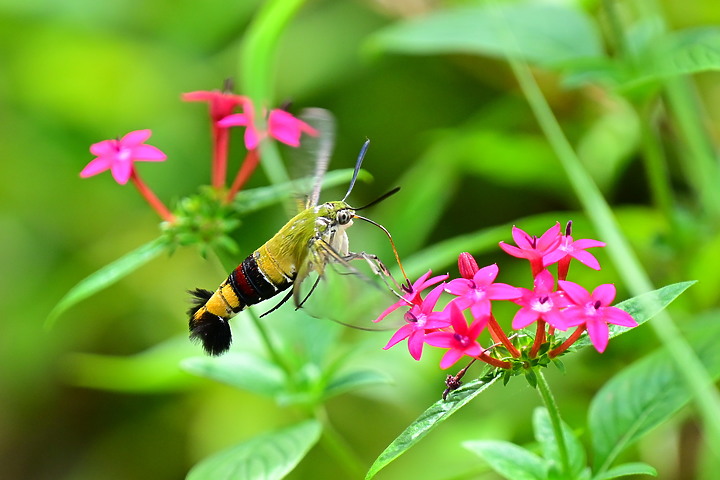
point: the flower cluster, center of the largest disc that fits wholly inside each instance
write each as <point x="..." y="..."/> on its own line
<point x="119" y="155"/>
<point x="551" y="304"/>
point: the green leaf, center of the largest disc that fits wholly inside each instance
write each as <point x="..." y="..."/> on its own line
<point x="642" y="308"/>
<point x="626" y="470"/>
<point x="645" y="395"/>
<point x="509" y="460"/>
<point x="354" y="379"/>
<point x="429" y="419"/>
<point x="151" y="371"/>
<point x="682" y="53"/>
<point x="241" y="370"/>
<point x="545" y="436"/>
<point x="106" y="276"/>
<point x="266" y="457"/>
<point x="544" y="34"/>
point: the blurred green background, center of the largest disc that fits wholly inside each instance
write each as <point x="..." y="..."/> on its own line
<point x="72" y="402"/>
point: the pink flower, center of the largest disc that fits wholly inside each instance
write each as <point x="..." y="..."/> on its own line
<point x="281" y="125"/>
<point x="421" y="320"/>
<point x="221" y="104"/>
<point x="461" y="341"/>
<point x="541" y="303"/>
<point x="118" y="155"/>
<point x="593" y="311"/>
<point x="477" y="292"/>
<point x="532" y="247"/>
<point x="412" y="297"/>
<point x="575" y="249"/>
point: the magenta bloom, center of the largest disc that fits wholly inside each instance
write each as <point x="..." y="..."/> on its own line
<point x="532" y="247"/>
<point x="118" y="155"/>
<point x="221" y="104"/>
<point x="281" y="125"/>
<point x="421" y="320"/>
<point x="594" y="311"/>
<point x="413" y="296"/>
<point x="575" y="249"/>
<point x="461" y="341"/>
<point x="541" y="303"/>
<point x="476" y="293"/>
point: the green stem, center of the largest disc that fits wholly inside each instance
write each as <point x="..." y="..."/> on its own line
<point x="627" y="263"/>
<point x="335" y="445"/>
<point x="555" y="420"/>
<point x="257" y="71"/>
<point x="655" y="164"/>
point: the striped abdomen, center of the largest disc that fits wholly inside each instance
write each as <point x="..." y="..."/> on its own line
<point x="257" y="278"/>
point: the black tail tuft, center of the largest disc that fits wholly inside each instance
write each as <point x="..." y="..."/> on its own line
<point x="200" y="298"/>
<point x="212" y="330"/>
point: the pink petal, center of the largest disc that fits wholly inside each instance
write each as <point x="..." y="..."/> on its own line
<point x="544" y="282"/>
<point x="96" y="166"/>
<point x="486" y="275"/>
<point x="584" y="243"/>
<point x="105" y="148"/>
<point x="402" y="333"/>
<point x="148" y="153"/>
<point x="450" y="358"/>
<point x="199" y="96"/>
<point x="551" y="238"/>
<point x="599" y="335"/>
<point x="521" y="238"/>
<point x="480" y="309"/>
<point x="252" y="138"/>
<point x="459" y="286"/>
<point x="503" y="291"/>
<point x="557" y="319"/>
<point x="575" y="292"/>
<point x="121" y="171"/>
<point x="135" y="138"/>
<point x="523" y="318"/>
<point x="415" y="344"/>
<point x="617" y="316"/>
<point x="440" y="339"/>
<point x="586" y="258"/>
<point x="512" y="250"/>
<point x="432" y="298"/>
<point x="234" y="120"/>
<point x="604" y="293"/>
<point x="390" y="309"/>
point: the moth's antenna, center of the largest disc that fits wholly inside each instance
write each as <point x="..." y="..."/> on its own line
<point x="358" y="164"/>
<point x="379" y="199"/>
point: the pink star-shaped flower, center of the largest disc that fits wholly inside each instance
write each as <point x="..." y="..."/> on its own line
<point x="541" y="303"/>
<point x="477" y="292"/>
<point x="221" y="103"/>
<point x="420" y="320"/>
<point x="461" y="341"/>
<point x="533" y="248"/>
<point x="118" y="156"/>
<point x="593" y="311"/>
<point x="281" y="125"/>
<point x="412" y="297"/>
<point x="569" y="248"/>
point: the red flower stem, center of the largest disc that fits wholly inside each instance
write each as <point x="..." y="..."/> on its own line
<point x="220" y="152"/>
<point x="539" y="338"/>
<point x="566" y="344"/>
<point x="151" y="198"/>
<point x="494" y="361"/>
<point x="551" y="330"/>
<point x="248" y="167"/>
<point x="498" y="336"/>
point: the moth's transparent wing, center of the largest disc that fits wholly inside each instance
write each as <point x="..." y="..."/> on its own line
<point x="350" y="291"/>
<point x="310" y="161"/>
